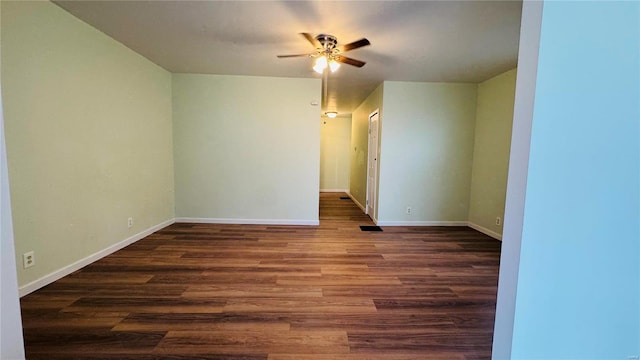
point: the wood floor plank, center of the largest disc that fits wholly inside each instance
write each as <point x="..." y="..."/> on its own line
<point x="427" y="292"/>
<point x="328" y="280"/>
<point x="158" y="305"/>
<point x="143" y="356"/>
<point x="74" y="292"/>
<point x="64" y="320"/>
<point x="80" y="341"/>
<point x="90" y="278"/>
<point x="252" y="291"/>
<point x="370" y="356"/>
<point x="380" y="323"/>
<point x="204" y="322"/>
<point x="246" y="342"/>
<point x="337" y="305"/>
<point x="229" y="291"/>
<point x="38" y="301"/>
<point x="436" y="342"/>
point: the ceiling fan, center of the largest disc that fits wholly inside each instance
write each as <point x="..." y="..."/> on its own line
<point x="328" y="53"/>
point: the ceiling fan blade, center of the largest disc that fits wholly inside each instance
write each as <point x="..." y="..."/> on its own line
<point x="349" y="61"/>
<point x="316" y="44"/>
<point x="354" y="45"/>
<point x="295" y="55"/>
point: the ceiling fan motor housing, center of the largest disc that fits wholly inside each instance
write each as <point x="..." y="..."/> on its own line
<point x="328" y="42"/>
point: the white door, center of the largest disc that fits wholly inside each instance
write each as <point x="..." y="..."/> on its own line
<point x="372" y="167"/>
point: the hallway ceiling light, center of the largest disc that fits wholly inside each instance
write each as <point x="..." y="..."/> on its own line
<point x="331" y="114"/>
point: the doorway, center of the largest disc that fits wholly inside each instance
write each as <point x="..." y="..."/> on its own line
<point x="372" y="166"/>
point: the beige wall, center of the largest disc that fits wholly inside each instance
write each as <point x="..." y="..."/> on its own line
<point x="89" y="138"/>
<point x="494" y="117"/>
<point x="335" y="142"/>
<point x="11" y="339"/>
<point x="434" y="139"/>
<point x="247" y="149"/>
<point x="359" y="144"/>
<point x="426" y="153"/>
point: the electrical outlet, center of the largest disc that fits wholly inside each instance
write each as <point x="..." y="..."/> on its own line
<point x="498" y="221"/>
<point x="130" y="222"/>
<point x="408" y="210"/>
<point x="28" y="259"/>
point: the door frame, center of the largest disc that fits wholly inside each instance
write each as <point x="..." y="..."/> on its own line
<point x="372" y="162"/>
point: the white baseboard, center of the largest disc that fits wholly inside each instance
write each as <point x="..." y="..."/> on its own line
<point x="335" y="190"/>
<point x="485" y="231"/>
<point x="422" y="223"/>
<point x="247" y="221"/>
<point x="357" y="203"/>
<point x="58" y="274"/>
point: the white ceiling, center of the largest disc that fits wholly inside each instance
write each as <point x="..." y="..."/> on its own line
<point x="441" y="41"/>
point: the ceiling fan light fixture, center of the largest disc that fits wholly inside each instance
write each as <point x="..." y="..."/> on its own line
<point x="331" y="114"/>
<point x="321" y="64"/>
<point x="328" y="53"/>
<point x="333" y="65"/>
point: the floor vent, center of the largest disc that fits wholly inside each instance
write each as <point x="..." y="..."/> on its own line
<point x="370" y="228"/>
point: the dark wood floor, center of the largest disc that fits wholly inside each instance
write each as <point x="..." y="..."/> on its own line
<point x="195" y="291"/>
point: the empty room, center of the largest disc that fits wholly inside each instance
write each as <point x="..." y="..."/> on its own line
<point x="320" y="180"/>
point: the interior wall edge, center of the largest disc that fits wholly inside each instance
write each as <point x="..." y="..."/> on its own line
<point x="484" y="230"/>
<point x="357" y="202"/>
<point x="517" y="178"/>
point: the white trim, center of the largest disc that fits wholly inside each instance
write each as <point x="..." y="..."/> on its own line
<point x="335" y="190"/>
<point x="60" y="273"/>
<point x="372" y="191"/>
<point x="523" y="112"/>
<point x="357" y="203"/>
<point x="422" y="223"/>
<point x="247" y="221"/>
<point x="485" y="231"/>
